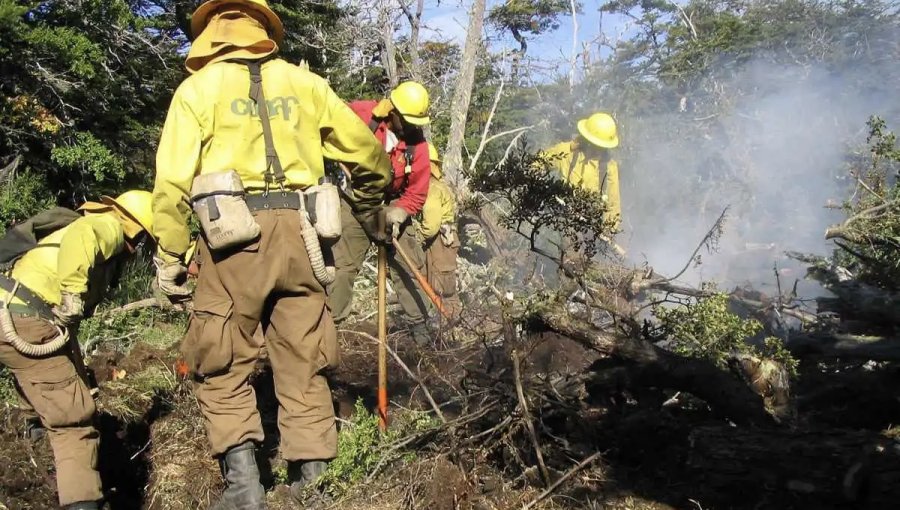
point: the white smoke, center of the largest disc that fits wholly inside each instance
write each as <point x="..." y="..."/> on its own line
<point x="773" y="150"/>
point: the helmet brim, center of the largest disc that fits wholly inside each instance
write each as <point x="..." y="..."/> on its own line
<point x="200" y="18"/>
<point x="599" y="142"/>
<point x="415" y="120"/>
<point x="110" y="201"/>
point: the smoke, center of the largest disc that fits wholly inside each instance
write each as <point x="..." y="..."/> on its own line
<point x="771" y="145"/>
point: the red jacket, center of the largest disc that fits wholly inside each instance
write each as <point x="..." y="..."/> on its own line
<point x="412" y="187"/>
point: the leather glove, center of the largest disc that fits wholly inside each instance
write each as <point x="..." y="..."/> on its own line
<point x="70" y="309"/>
<point x="394" y="218"/>
<point x="171" y="277"/>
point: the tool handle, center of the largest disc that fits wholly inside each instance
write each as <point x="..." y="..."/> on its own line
<point x="423" y="282"/>
<point x="382" y="338"/>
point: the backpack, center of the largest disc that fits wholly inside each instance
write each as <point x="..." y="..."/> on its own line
<point x="21" y="238"/>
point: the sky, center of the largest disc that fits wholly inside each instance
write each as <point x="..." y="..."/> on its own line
<point x="447" y="19"/>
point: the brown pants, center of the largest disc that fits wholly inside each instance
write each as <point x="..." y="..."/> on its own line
<point x="349" y="255"/>
<point x="268" y="282"/>
<point x="52" y="389"/>
<point x="440" y="263"/>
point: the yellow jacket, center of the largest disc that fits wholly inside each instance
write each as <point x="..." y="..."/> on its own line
<point x="70" y="257"/>
<point x="439" y="208"/>
<point x="585" y="173"/>
<point x="212" y="126"/>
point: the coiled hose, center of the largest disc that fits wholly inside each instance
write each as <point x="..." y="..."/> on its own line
<point x="28" y="349"/>
<point x="324" y="274"/>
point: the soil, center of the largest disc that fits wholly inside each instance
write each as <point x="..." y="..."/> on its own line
<point x="156" y="457"/>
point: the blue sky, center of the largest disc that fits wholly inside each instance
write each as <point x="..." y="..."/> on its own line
<point x="449" y="19"/>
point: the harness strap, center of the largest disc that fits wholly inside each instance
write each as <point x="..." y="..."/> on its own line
<point x="33" y="303"/>
<point x="274" y="170"/>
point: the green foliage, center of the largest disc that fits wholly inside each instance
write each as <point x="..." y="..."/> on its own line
<point x="523" y="17"/>
<point x="85" y="154"/>
<point x="869" y="241"/>
<point x="23" y="196"/>
<point x="539" y="201"/>
<point x="8" y="394"/>
<point x="362" y="446"/>
<point x="707" y="329"/>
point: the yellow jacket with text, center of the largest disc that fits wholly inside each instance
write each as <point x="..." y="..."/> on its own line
<point x="213" y="126"/>
<point x="576" y="169"/>
<point x="439" y="208"/>
<point x="68" y="259"/>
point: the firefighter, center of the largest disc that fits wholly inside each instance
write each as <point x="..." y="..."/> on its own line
<point x="397" y="123"/>
<point x="437" y="231"/>
<point x="243" y="144"/>
<point x="48" y="291"/>
<point x="587" y="161"/>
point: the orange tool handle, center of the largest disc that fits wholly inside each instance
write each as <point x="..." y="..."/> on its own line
<point x="423" y="282"/>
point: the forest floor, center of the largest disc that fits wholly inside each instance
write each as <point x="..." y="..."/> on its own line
<point x="154" y="452"/>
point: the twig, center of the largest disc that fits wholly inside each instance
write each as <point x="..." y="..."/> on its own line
<point x="581" y="465"/>
<point x="137" y="305"/>
<point x="487" y="126"/>
<point x="526" y="416"/>
<point x="710" y="234"/>
<point x="409" y="372"/>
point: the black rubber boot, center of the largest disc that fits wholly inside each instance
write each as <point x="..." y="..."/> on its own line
<point x="243" y="491"/>
<point x="302" y="473"/>
<point x="84" y="505"/>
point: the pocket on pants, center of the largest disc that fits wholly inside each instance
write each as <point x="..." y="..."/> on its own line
<point x="208" y="346"/>
<point x="60" y="402"/>
<point x="329" y="350"/>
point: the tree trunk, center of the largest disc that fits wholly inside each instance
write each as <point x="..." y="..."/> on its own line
<point x="462" y="96"/>
<point x="415" y="25"/>
<point x="809" y="469"/>
<point x="388" y="50"/>
<point x="725" y="393"/>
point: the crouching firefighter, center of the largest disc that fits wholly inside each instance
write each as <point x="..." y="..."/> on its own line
<point x="243" y="145"/>
<point x="397" y="123"/>
<point x="438" y="232"/>
<point x="72" y="261"/>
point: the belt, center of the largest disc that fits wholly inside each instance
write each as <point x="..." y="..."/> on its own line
<point x="274" y="200"/>
<point x="33" y="303"/>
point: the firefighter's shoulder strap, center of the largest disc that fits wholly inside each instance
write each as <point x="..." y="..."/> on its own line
<point x="274" y="170"/>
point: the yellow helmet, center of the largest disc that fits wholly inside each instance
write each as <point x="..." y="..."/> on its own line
<point x="600" y="130"/>
<point x="410" y="99"/>
<point x="201" y="16"/>
<point x="137" y="205"/>
<point x="435" y="161"/>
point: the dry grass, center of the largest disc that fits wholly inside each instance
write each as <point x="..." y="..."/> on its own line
<point x="184" y="476"/>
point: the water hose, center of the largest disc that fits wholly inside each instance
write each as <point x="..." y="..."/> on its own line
<point x="324" y="274"/>
<point x="12" y="336"/>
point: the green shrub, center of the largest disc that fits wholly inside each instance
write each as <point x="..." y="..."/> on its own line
<point x="362" y="446"/>
<point x="23" y="196"/>
<point x="706" y="329"/>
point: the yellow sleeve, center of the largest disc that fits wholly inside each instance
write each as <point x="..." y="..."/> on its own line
<point x="448" y="206"/>
<point x="177" y="161"/>
<point x="88" y="240"/>
<point x="560" y="157"/>
<point x="432" y="214"/>
<point x="346" y="138"/>
<point x="611" y="190"/>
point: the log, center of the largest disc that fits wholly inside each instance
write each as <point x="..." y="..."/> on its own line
<point x="846" y="346"/>
<point x="796" y="469"/>
<point x="727" y="395"/>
